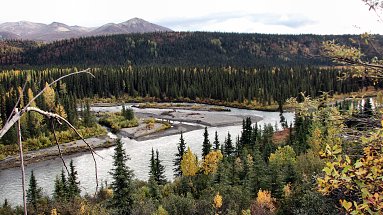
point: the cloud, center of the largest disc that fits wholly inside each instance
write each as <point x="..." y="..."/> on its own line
<point x="288" y="20"/>
<point x="293" y="21"/>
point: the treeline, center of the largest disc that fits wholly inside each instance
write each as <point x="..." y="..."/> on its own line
<point x="263" y="85"/>
<point x="180" y="49"/>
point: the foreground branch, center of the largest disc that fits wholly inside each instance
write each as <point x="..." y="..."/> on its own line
<point x="60" y="118"/>
<point x="357" y="62"/>
<point x="17" y="114"/>
<point x="55" y="81"/>
<point x="58" y="145"/>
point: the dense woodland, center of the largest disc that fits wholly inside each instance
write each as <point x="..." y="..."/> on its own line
<point x="179" y="49"/>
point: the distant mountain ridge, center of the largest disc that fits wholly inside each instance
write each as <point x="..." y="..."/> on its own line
<point x="59" y="31"/>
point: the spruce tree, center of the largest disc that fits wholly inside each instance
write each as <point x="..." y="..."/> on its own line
<point x="216" y="142"/>
<point x="206" y="146"/>
<point x="152" y="166"/>
<point x="157" y="170"/>
<point x="57" y="193"/>
<point x="122" y="199"/>
<point x="89" y="120"/>
<point x="246" y="133"/>
<point x="34" y="192"/>
<point x="178" y="156"/>
<point x="367" y="108"/>
<point x="61" y="189"/>
<point x="229" y="148"/>
<point x="73" y="183"/>
<point x="160" y="170"/>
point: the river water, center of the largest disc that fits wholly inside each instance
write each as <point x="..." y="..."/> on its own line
<point x="138" y="151"/>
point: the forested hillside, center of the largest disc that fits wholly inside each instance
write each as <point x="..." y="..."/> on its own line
<point x="180" y="49"/>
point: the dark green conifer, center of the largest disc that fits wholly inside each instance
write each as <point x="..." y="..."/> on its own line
<point x="367" y="108"/>
<point x="73" y="183"/>
<point x="229" y="148"/>
<point x="178" y="156"/>
<point x="206" y="146"/>
<point x="122" y="199"/>
<point x="216" y="142"/>
<point x="34" y="192"/>
<point x="160" y="170"/>
<point x="61" y="188"/>
<point x="157" y="170"/>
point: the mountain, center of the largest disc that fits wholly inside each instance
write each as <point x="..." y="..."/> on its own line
<point x="135" y="25"/>
<point x="22" y="28"/>
<point x="8" y="36"/>
<point x="58" y="31"/>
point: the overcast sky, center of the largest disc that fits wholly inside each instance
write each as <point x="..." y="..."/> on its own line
<point x="253" y="16"/>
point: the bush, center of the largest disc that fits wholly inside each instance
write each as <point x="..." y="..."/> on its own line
<point x="116" y="121"/>
<point x="175" y="204"/>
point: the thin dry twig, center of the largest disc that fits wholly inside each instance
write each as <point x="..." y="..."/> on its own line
<point x="358" y="62"/>
<point x="18" y="101"/>
<point x="60" y="118"/>
<point x="58" y="145"/>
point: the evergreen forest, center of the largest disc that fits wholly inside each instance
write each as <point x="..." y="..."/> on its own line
<point x="329" y="161"/>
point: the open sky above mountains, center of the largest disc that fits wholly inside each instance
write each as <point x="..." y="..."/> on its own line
<point x="252" y="16"/>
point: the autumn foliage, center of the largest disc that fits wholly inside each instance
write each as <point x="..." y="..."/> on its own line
<point x="210" y="162"/>
<point x="264" y="204"/>
<point x="189" y="164"/>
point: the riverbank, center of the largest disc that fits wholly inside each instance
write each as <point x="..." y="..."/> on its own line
<point x="52" y="152"/>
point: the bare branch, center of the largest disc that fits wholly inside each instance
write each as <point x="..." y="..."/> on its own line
<point x="357" y="62"/>
<point x="58" y="117"/>
<point x="58" y="145"/>
<point x="21" y="164"/>
<point x="17" y="115"/>
<point x="17" y="103"/>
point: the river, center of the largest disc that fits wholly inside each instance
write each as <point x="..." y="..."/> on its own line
<point x="138" y="151"/>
